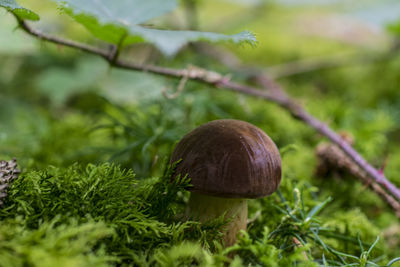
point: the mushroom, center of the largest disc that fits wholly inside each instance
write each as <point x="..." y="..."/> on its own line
<point x="228" y="161"/>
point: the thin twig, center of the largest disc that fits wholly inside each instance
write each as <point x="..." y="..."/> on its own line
<point x="298" y="244"/>
<point x="215" y="79"/>
<point x="61" y="41"/>
<point x="331" y="158"/>
<point x="178" y="91"/>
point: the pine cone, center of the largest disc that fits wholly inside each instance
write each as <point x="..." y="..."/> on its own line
<point x="8" y="173"/>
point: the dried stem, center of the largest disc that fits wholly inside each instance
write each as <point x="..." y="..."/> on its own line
<point x="330" y="158"/>
<point x="276" y="94"/>
<point x="298" y="244"/>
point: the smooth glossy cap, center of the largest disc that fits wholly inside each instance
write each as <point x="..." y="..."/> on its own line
<point x="229" y="158"/>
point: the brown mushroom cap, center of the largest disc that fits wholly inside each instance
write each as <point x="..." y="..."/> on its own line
<point x="229" y="158"/>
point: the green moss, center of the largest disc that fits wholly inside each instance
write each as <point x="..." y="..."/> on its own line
<point x="103" y="215"/>
<point x="54" y="243"/>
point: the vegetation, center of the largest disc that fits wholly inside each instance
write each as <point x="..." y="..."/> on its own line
<point x="93" y="142"/>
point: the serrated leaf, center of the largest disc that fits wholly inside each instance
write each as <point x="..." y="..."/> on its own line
<point x="20" y="12"/>
<point x="119" y="23"/>
<point x="169" y="42"/>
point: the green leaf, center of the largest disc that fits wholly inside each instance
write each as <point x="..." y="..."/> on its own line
<point x="169" y="42"/>
<point x="119" y="24"/>
<point x="317" y="209"/>
<point x="17" y="10"/>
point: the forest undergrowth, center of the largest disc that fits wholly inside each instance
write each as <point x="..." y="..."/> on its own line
<point x="95" y="184"/>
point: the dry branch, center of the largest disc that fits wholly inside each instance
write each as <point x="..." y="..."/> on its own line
<point x="331" y="158"/>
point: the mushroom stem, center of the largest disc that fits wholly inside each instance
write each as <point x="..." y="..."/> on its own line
<point x="204" y="208"/>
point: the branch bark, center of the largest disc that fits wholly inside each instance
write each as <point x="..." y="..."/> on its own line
<point x="276" y="94"/>
<point x="331" y="158"/>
